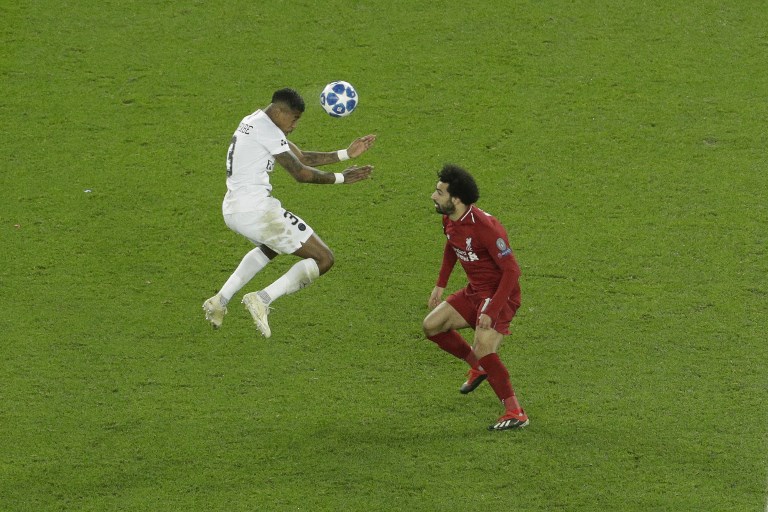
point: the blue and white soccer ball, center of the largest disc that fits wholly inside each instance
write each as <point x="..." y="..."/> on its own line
<point x="339" y="98"/>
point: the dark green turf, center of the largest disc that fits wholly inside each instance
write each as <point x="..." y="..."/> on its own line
<point x="623" y="145"/>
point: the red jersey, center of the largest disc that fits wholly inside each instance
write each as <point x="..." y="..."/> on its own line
<point x="480" y="243"/>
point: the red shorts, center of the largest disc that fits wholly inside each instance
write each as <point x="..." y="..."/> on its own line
<point x="469" y="305"/>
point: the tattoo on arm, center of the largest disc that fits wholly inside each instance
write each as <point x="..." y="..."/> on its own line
<point x="300" y="172"/>
<point x="313" y="158"/>
<point x="316" y="158"/>
<point x="290" y="163"/>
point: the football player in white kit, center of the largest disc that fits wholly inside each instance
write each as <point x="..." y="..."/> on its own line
<point x="250" y="209"/>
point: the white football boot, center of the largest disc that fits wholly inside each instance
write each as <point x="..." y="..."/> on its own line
<point x="259" y="311"/>
<point x="214" y="311"/>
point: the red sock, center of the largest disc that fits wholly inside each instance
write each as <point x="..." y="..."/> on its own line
<point x="498" y="378"/>
<point x="453" y="343"/>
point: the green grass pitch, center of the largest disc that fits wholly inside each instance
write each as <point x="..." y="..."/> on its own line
<point x="623" y="145"/>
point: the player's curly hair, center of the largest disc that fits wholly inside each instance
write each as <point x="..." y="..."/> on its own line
<point x="289" y="97"/>
<point x="461" y="184"/>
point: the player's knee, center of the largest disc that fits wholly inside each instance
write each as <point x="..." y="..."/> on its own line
<point x="325" y="261"/>
<point x="484" y="344"/>
<point x="430" y="327"/>
<point x="481" y="351"/>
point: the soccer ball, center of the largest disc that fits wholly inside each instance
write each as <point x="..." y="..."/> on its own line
<point x="339" y="98"/>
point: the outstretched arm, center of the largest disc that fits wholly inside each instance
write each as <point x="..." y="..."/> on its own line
<point x="360" y="146"/>
<point x="316" y="158"/>
<point x="306" y="174"/>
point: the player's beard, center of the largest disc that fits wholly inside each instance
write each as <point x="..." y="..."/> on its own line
<point x="445" y="209"/>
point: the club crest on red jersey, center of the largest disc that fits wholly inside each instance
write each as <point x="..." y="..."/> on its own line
<point x="467" y="254"/>
<point x="504" y="250"/>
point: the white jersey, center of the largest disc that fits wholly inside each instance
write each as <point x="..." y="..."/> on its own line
<point x="250" y="159"/>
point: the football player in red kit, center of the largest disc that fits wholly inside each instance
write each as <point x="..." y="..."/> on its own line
<point x="489" y="301"/>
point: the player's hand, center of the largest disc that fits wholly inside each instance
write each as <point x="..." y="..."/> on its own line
<point x="436" y="297"/>
<point x="360" y="146"/>
<point x="354" y="174"/>
<point x="484" y="322"/>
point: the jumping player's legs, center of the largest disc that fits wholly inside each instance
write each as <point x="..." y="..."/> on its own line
<point x="287" y="233"/>
<point x="317" y="250"/>
<point x="274" y="230"/>
<point x="250" y="225"/>
<point x="249" y="266"/>
<point x="317" y="259"/>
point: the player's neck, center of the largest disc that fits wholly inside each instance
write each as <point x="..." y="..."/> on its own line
<point x="459" y="212"/>
<point x="271" y="111"/>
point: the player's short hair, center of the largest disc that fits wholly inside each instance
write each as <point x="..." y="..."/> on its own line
<point x="290" y="98"/>
<point x="461" y="184"/>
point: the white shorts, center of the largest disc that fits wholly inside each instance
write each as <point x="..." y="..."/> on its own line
<point x="273" y="226"/>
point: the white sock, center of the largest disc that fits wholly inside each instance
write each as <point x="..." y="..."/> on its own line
<point x="298" y="276"/>
<point x="250" y="265"/>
